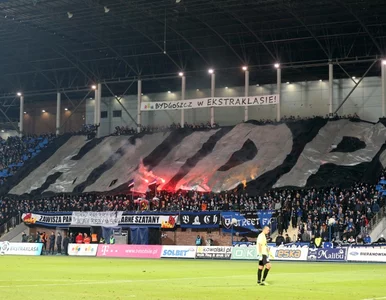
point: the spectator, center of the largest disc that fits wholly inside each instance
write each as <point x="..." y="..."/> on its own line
<point x="79" y="238"/>
<point x="198" y="240"/>
<point x="287" y="239"/>
<point x="367" y="239"/>
<point x="23" y="237"/>
<point x="52" y="243"/>
<point x="86" y="239"/>
<point x="66" y="241"/>
<point x="280" y="240"/>
<point x="381" y="240"/>
<point x="59" y="243"/>
<point x="112" y="240"/>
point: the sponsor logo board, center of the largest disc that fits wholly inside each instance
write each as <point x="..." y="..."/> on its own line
<point x="249" y="253"/>
<point x="82" y="249"/>
<point x="7" y="248"/>
<point x="286" y="253"/>
<point x="327" y="254"/>
<point x="179" y="251"/>
<point x="214" y="252"/>
<point x="130" y="251"/>
<point x="366" y="254"/>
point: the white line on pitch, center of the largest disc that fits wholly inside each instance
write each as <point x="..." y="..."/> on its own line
<point x="78" y="282"/>
<point x="374" y="298"/>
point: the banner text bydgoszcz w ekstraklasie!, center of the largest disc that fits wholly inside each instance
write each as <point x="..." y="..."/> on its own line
<point x="211" y="102"/>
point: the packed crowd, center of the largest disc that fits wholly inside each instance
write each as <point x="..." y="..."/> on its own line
<point x="308" y="209"/>
<point x="14" y="151"/>
<point x="152" y="129"/>
<point x="126" y="130"/>
<point x="286" y="119"/>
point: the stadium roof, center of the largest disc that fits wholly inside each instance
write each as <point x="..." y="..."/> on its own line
<point x="53" y="44"/>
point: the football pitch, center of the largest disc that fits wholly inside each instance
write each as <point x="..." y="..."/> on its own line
<point x="57" y="278"/>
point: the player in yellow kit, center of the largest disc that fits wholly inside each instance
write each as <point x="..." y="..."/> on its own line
<point x="263" y="252"/>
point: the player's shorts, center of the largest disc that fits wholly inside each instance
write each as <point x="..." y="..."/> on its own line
<point x="264" y="260"/>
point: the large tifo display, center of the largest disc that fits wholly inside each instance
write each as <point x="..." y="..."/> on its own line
<point x="211" y="102"/>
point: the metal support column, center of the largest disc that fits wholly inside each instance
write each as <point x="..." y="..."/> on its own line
<point x="58" y="111"/>
<point x="98" y="104"/>
<point x="21" y="118"/>
<point x="212" y="90"/>
<point x="330" y="87"/>
<point x="383" y="78"/>
<point x="246" y="91"/>
<point x="183" y="87"/>
<point x="95" y="106"/>
<point x="278" y="87"/>
<point x="139" y="97"/>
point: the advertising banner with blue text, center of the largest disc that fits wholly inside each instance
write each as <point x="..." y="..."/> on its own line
<point x="178" y="251"/>
<point x="204" y="219"/>
<point x="373" y="254"/>
<point x="32" y="249"/>
<point x="327" y="254"/>
<point x="246" y="222"/>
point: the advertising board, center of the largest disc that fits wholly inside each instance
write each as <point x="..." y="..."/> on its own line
<point x="327" y="254"/>
<point x="178" y="251"/>
<point x="7" y="248"/>
<point x="366" y="254"/>
<point x="130" y="251"/>
<point x="214" y="252"/>
<point x="82" y="249"/>
<point x="288" y="253"/>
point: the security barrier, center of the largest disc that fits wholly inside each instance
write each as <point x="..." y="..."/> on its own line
<point x="343" y="254"/>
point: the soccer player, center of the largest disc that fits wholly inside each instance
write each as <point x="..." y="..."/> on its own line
<point x="263" y="252"/>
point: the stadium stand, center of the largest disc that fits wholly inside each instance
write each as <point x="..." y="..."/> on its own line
<point x="345" y="190"/>
<point x="16" y="151"/>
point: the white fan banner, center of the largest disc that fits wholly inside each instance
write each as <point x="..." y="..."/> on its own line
<point x="211" y="102"/>
<point x="92" y="218"/>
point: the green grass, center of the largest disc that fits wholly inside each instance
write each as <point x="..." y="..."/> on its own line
<point x="74" y="278"/>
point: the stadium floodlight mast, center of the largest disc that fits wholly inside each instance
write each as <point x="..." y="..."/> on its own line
<point x="210" y="71"/>
<point x="245" y="68"/>
<point x="383" y="61"/>
<point x="94" y="87"/>
<point x="181" y="74"/>
<point x="19" y="94"/>
<point x="277" y="65"/>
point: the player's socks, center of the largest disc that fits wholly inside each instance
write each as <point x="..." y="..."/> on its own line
<point x="265" y="274"/>
<point x="259" y="275"/>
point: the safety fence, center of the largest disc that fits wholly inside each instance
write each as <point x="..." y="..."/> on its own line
<point x="343" y="254"/>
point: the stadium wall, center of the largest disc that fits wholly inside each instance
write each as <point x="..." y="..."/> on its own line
<point x="299" y="98"/>
<point x="37" y="122"/>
